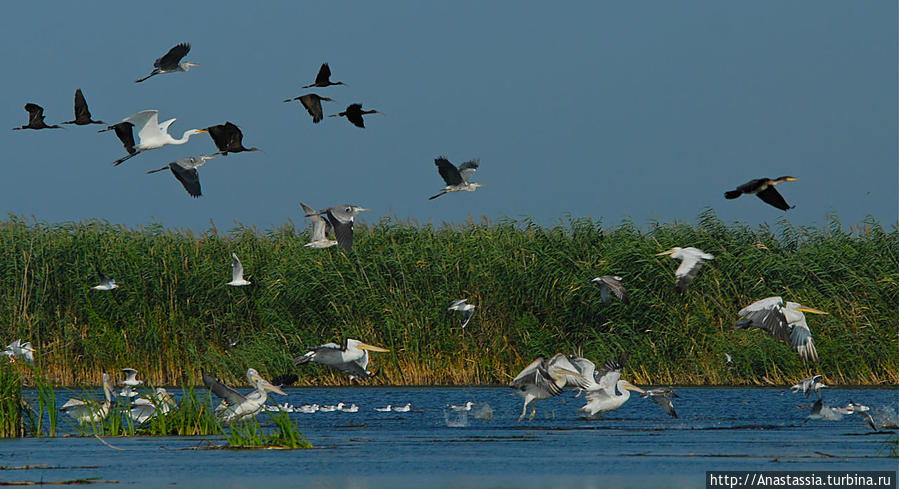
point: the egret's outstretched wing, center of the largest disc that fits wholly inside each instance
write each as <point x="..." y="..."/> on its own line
<point x="147" y="124"/>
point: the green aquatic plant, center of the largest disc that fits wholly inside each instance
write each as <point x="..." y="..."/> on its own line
<point x="250" y="434"/>
<point x="11" y="419"/>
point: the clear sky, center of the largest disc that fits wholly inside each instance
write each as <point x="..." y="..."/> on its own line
<point x="605" y="109"/>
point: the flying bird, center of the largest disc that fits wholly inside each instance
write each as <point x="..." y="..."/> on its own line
<point x="466" y="309"/>
<point x="457" y="179"/>
<point x="764" y="189"/>
<point x="36" y="118"/>
<point x="185" y="170"/>
<point x="785" y="323"/>
<point x="809" y="384"/>
<point x="171" y="62"/>
<point x="236" y="406"/>
<point x="691" y="261"/>
<point x="323" y="79"/>
<point x="130" y="378"/>
<point x="341" y="218"/>
<point x="662" y="396"/>
<point x="543" y="379"/>
<point x="608" y="285"/>
<point x="106" y="283"/>
<point x="351" y="357"/>
<point x="313" y="104"/>
<point x="237" y="272"/>
<point x="82" y="114"/>
<point x="151" y="133"/>
<point x="320" y="229"/>
<point x="600" y="386"/>
<point x="17" y="349"/>
<point x="228" y="138"/>
<point x="354" y="114"/>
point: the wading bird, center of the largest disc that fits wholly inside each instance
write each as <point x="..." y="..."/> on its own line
<point x="35" y="118"/>
<point x="313" y="104"/>
<point x="608" y="285"/>
<point x="764" y="189"/>
<point x="143" y="409"/>
<point x="17" y="349"/>
<point x="600" y="386"/>
<point x="351" y="357"/>
<point x="691" y="261"/>
<point x="354" y="114"/>
<point x="151" y="133"/>
<point x="466" y="309"/>
<point x="185" y="170"/>
<point x="171" y="62"/>
<point x="341" y="218"/>
<point x="662" y="396"/>
<point x="809" y="384"/>
<point x="320" y="229"/>
<point x="785" y="323"/>
<point x="82" y="114"/>
<point x="457" y="179"/>
<point x="106" y="283"/>
<point x="228" y="138"/>
<point x="323" y="79"/>
<point x="237" y="273"/>
<point x="543" y="379"/>
<point x="89" y="411"/>
<point x="236" y="406"/>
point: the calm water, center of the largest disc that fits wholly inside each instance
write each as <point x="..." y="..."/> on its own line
<point x="636" y="446"/>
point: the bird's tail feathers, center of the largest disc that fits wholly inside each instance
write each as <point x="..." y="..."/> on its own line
<point x="732" y="194"/>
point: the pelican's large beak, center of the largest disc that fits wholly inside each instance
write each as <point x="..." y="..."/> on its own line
<point x="366" y="346"/>
<point x="271" y="388"/>
<point x="665" y="252"/>
<point x="809" y="309"/>
<point x="632" y="387"/>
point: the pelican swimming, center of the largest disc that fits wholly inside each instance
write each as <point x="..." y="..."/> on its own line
<point x="608" y="285"/>
<point x="320" y="229"/>
<point x="351" y="358"/>
<point x="662" y="396"/>
<point x="17" y="349"/>
<point x="785" y="323"/>
<point x="543" y="379"/>
<point x="89" y="411"/>
<point x="143" y="409"/>
<point x="236" y="406"/>
<point x="466" y="309"/>
<point x="809" y="384"/>
<point x="237" y="279"/>
<point x="601" y="386"/>
<point x="691" y="261"/>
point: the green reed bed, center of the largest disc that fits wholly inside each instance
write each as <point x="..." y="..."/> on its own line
<point x="174" y="314"/>
<point x="11" y="419"/>
<point x="250" y="434"/>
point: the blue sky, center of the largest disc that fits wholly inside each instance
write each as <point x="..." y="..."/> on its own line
<point x="605" y="109"/>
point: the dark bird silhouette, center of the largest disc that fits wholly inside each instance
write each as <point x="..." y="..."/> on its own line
<point x="35" y="118"/>
<point x="185" y="170"/>
<point x="764" y="189"/>
<point x="323" y="79"/>
<point x="124" y="131"/>
<point x="82" y="115"/>
<point x="171" y="62"/>
<point x="456" y="179"/>
<point x="354" y="114"/>
<point x="313" y="104"/>
<point x="228" y="138"/>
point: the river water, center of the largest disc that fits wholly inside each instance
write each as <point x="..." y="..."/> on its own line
<point x="431" y="446"/>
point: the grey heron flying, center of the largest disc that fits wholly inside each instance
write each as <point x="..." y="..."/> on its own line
<point x="785" y="322"/>
<point x="456" y="179"/>
<point x="35" y="118"/>
<point x="354" y="114"/>
<point x="341" y="218"/>
<point x="90" y="411"/>
<point x="323" y="78"/>
<point x="106" y="283"/>
<point x="82" y="114"/>
<point x="691" y="261"/>
<point x="608" y="285"/>
<point x="465" y="308"/>
<point x="351" y="357"/>
<point x="151" y="133"/>
<point x="228" y="138"/>
<point x="543" y="379"/>
<point x="763" y="188"/>
<point x="171" y="62"/>
<point x="600" y="387"/>
<point x="236" y="406"/>
<point x="237" y="272"/>
<point x="185" y="170"/>
<point x="17" y="349"/>
<point x="662" y="397"/>
<point x="313" y="104"/>
<point x="320" y="229"/>
<point x="808" y="385"/>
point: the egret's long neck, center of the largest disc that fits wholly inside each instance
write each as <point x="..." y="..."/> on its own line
<point x="184" y="137"/>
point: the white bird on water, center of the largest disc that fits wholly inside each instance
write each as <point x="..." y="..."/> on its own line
<point x="237" y="272"/>
<point x="466" y="309"/>
<point x="543" y="379"/>
<point x="691" y="261"/>
<point x="600" y="387"/>
<point x="384" y="409"/>
<point x="106" y="283"/>
<point x="143" y="409"/>
<point x="402" y="409"/>
<point x="89" y="411"/>
<point x="465" y="407"/>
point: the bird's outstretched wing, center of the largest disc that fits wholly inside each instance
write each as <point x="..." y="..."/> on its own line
<point x="236" y="268"/>
<point x="229" y="395"/>
<point x="324" y="74"/>
<point x="171" y="59"/>
<point x="448" y="171"/>
<point x="467" y="169"/>
<point x="771" y="196"/>
<point x="189" y="178"/>
<point x="766" y="314"/>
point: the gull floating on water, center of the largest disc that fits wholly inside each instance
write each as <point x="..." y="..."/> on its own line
<point x="383" y="409"/>
<point x="402" y="409"/>
<point x="465" y="407"/>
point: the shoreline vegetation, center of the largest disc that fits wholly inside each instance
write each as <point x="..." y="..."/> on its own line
<point x="174" y="315"/>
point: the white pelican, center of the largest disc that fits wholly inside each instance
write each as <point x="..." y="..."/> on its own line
<point x="171" y="62"/>
<point x="17" y="349"/>
<point x="384" y="409"/>
<point x="809" y="384"/>
<point x="600" y="387"/>
<point x="456" y="179"/>
<point x="88" y="411"/>
<point x="466" y="309"/>
<point x="106" y="283"/>
<point x="785" y="323"/>
<point x="662" y="396"/>
<point x="608" y="285"/>
<point x="352" y="408"/>
<point x="691" y="261"/>
<point x="402" y="409"/>
<point x="341" y="218"/>
<point x="465" y="407"/>
<point x="543" y="379"/>
<point x="237" y="273"/>
<point x="763" y="188"/>
<point x="143" y="409"/>
<point x="236" y="406"/>
<point x="351" y="358"/>
<point x="320" y="229"/>
<point x="151" y="133"/>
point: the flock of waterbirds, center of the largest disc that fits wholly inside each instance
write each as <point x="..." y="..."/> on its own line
<point x="604" y="389"/>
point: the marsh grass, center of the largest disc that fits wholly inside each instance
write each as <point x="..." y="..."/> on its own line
<point x="173" y="313"/>
<point x="250" y="434"/>
<point x="12" y="421"/>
